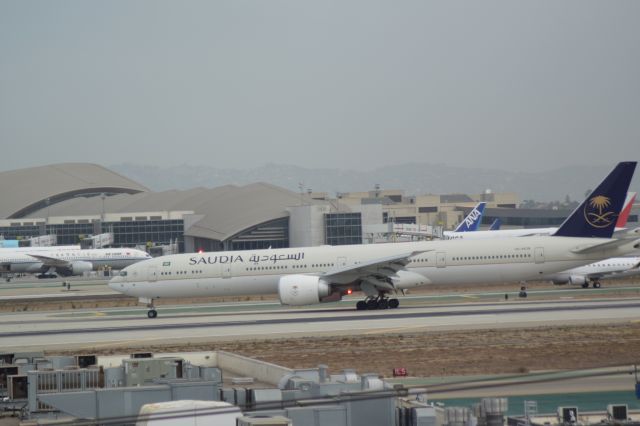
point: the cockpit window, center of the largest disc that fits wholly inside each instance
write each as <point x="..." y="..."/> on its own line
<point x="123" y="273"/>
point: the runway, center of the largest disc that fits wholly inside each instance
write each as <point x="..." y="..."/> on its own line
<point x="212" y="322"/>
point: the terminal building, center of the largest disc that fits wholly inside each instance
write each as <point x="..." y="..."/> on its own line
<point x="75" y="201"/>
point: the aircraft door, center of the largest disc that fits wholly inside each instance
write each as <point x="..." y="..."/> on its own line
<point x="539" y="255"/>
<point x="226" y="270"/>
<point x="152" y="273"/>
<point x="341" y="261"/>
<point x="441" y="259"/>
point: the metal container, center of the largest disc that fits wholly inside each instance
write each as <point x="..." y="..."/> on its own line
<point x="456" y="416"/>
<point x="495" y="405"/>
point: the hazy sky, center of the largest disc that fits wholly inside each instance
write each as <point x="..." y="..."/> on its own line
<point x="348" y="84"/>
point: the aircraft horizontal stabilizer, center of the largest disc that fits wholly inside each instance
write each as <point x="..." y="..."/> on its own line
<point x="606" y="245"/>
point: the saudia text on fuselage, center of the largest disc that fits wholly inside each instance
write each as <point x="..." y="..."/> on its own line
<point x="254" y="258"/>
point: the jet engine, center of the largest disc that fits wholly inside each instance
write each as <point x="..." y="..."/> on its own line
<point x="302" y="290"/>
<point x="560" y="279"/>
<point x="76" y="268"/>
<point x="577" y="279"/>
<point x="569" y="279"/>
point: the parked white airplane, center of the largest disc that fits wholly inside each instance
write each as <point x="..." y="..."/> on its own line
<point x="68" y="262"/>
<point x="617" y="267"/>
<point x="309" y="275"/>
<point x="526" y="232"/>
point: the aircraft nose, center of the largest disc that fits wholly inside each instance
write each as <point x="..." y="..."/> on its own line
<point x="115" y="283"/>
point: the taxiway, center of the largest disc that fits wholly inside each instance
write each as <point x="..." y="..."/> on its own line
<point x="212" y="322"/>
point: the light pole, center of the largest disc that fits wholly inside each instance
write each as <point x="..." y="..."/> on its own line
<point x="102" y="196"/>
<point x="48" y="203"/>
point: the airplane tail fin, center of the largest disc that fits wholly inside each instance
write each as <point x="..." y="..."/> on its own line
<point x="495" y="225"/>
<point x="597" y="215"/>
<point x="473" y="219"/>
<point x="624" y="214"/>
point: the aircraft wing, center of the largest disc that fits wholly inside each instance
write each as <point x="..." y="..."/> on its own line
<point x="532" y="234"/>
<point x="378" y="272"/>
<point x="50" y="261"/>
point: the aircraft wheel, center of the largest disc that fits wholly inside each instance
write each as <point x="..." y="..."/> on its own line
<point x="394" y="303"/>
<point x="596" y="284"/>
<point x="372" y="304"/>
<point x="523" y="294"/>
<point x="585" y="285"/>
<point x="361" y="305"/>
<point x="152" y="313"/>
<point x="383" y="304"/>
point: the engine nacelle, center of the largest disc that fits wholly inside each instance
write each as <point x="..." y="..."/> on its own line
<point x="577" y="279"/>
<point x="560" y="279"/>
<point x="298" y="290"/>
<point x="76" y="268"/>
<point x="409" y="279"/>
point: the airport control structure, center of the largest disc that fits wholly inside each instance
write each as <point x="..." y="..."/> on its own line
<point x="83" y="203"/>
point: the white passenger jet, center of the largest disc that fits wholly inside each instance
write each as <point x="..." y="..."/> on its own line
<point x="310" y="275"/>
<point x="67" y="262"/>
<point x="616" y="267"/>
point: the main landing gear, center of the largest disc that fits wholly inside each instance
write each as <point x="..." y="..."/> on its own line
<point x="594" y="284"/>
<point x="43" y="276"/>
<point x="372" y="303"/>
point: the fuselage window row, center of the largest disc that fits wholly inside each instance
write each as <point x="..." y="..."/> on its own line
<point x="505" y="256"/>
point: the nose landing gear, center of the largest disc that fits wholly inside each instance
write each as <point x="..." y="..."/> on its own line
<point x="152" y="313"/>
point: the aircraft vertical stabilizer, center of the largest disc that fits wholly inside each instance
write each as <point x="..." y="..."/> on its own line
<point x="624" y="214"/>
<point x="473" y="219"/>
<point x="597" y="215"/>
<point x="495" y="225"/>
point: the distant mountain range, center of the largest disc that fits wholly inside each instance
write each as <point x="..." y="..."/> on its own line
<point x="413" y="178"/>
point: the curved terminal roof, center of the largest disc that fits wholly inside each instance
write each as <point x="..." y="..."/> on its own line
<point x="219" y="213"/>
<point x="28" y="190"/>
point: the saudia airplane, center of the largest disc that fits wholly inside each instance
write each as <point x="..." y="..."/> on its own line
<point x="310" y="275"/>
